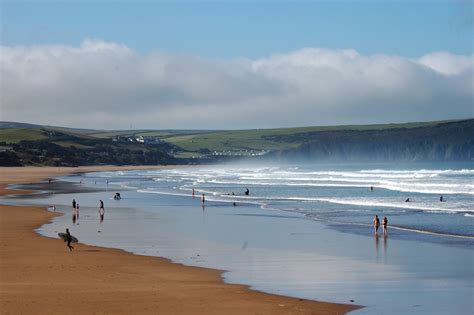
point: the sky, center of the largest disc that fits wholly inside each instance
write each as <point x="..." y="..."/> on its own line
<point x="235" y="64"/>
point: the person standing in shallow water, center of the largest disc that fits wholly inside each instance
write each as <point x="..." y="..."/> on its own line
<point x="376" y="224"/>
<point x="384" y="225"/>
<point x="73" y="216"/>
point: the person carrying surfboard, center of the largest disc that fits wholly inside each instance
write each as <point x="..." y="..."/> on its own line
<point x="69" y="240"/>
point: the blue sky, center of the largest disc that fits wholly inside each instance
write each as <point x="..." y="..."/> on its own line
<point x="223" y="29"/>
<point x="235" y="64"/>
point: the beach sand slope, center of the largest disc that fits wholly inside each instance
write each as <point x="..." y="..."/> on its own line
<point x="38" y="275"/>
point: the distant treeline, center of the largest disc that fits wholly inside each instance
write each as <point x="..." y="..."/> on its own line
<point x="453" y="141"/>
<point x="80" y="151"/>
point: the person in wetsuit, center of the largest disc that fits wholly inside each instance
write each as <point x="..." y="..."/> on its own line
<point x="69" y="240"/>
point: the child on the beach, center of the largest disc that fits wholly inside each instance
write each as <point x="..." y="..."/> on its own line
<point x="384" y="225"/>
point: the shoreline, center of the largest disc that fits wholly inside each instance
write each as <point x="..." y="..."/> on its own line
<point x="36" y="271"/>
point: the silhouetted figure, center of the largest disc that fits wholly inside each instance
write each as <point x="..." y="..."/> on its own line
<point x="74" y="216"/>
<point x="203" y="200"/>
<point x="384" y="225"/>
<point x="376" y="224"/>
<point x="408" y="200"/>
<point x="101" y="211"/>
<point x="371" y="188"/>
<point x="247" y="192"/>
<point x="74" y="203"/>
<point x="441" y="199"/>
<point x="69" y="240"/>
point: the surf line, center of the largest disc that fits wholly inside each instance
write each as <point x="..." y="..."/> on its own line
<point x="394" y="227"/>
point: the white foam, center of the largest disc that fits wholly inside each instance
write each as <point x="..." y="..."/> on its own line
<point x="387" y="204"/>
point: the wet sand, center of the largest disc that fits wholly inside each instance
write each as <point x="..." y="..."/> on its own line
<point x="38" y="274"/>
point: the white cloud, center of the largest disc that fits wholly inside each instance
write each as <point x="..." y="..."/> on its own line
<point x="108" y="85"/>
<point x="446" y="63"/>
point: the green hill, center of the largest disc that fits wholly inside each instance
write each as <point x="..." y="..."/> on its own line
<point x="28" y="144"/>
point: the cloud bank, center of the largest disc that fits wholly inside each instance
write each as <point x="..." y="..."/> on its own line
<point x="107" y="85"/>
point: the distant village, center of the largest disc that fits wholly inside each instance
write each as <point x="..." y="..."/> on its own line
<point x="140" y="139"/>
<point x="151" y="140"/>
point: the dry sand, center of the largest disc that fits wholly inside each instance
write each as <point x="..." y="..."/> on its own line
<point x="38" y="275"/>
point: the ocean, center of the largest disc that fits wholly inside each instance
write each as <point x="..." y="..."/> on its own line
<point x="348" y="195"/>
<point x="303" y="230"/>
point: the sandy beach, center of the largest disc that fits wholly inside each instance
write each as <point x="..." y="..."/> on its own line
<point x="39" y="275"/>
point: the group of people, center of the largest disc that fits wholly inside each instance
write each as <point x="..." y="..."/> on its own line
<point x="75" y="216"/>
<point x="377" y="225"/>
<point x="441" y="199"/>
<point x="203" y="197"/>
<point x="75" y="211"/>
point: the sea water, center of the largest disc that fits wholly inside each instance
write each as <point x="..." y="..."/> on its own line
<point x="303" y="230"/>
<point x="348" y="195"/>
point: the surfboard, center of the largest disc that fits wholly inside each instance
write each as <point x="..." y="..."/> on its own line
<point x="63" y="236"/>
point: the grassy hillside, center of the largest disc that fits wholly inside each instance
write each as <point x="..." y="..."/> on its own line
<point x="265" y="139"/>
<point x="33" y="144"/>
<point x="448" y="141"/>
<point x="63" y="147"/>
<point x="15" y="135"/>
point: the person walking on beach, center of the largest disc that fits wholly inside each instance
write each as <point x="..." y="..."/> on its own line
<point x="74" y="203"/>
<point x="101" y="211"/>
<point x="384" y="225"/>
<point x="203" y="200"/>
<point x="69" y="240"/>
<point x="193" y="192"/>
<point x="77" y="210"/>
<point x="376" y="224"/>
